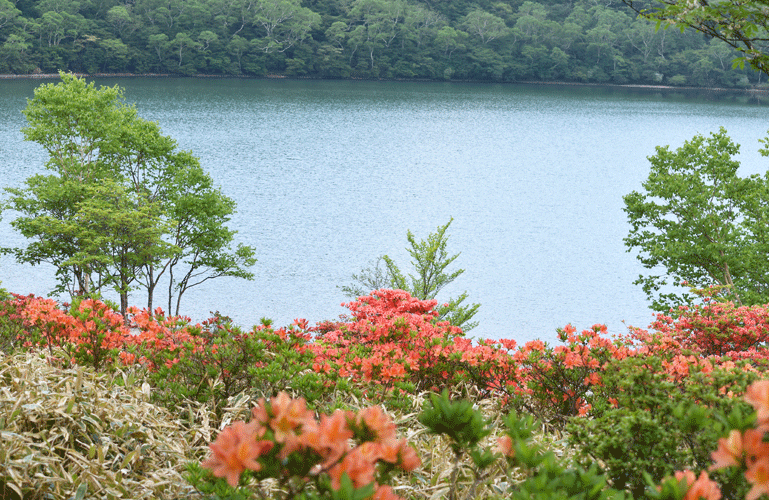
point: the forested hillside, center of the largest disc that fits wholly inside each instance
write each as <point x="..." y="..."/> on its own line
<point x="514" y="40"/>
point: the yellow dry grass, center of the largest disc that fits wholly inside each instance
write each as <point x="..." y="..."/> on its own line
<point x="70" y="432"/>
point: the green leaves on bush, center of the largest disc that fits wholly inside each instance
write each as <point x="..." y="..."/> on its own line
<point x="229" y="362"/>
<point x="458" y="420"/>
<point x="657" y="426"/>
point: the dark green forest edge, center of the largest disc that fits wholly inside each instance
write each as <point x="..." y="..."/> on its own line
<point x="586" y="41"/>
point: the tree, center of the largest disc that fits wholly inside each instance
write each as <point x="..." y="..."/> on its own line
<point x="119" y="233"/>
<point x="285" y="23"/>
<point x="122" y="205"/>
<point x="742" y="24"/>
<point x="699" y="223"/>
<point x="487" y="26"/>
<point x="430" y="260"/>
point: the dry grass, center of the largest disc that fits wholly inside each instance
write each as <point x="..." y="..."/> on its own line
<point x="65" y="430"/>
<point x="70" y="432"/>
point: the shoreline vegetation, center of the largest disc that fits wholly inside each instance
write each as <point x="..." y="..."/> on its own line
<point x="554" y="41"/>
<point x="44" y="76"/>
<point x="623" y="416"/>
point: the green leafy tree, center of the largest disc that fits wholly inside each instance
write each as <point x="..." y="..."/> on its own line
<point x="118" y="233"/>
<point x="743" y="25"/>
<point x="430" y="260"/>
<point x="122" y="206"/>
<point x="485" y="25"/>
<point x="698" y="222"/>
<point x="284" y="23"/>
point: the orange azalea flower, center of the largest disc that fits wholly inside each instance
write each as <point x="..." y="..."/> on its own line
<point x="594" y="379"/>
<point x="235" y="450"/>
<point x="584" y="409"/>
<point x="330" y="438"/>
<point x="385" y="493"/>
<point x="572" y="360"/>
<point x="730" y="451"/>
<point x="394" y="371"/>
<point x="372" y="424"/>
<point x="408" y="459"/>
<point x="758" y="475"/>
<point x="754" y="445"/>
<point x="399" y="452"/>
<point x="699" y="488"/>
<point x="288" y="415"/>
<point x="758" y="396"/>
<point x="358" y="465"/>
<point x="505" y="446"/>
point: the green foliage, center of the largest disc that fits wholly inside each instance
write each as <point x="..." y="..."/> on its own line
<point x="11" y="327"/>
<point x="551" y="40"/>
<point x="429" y="262"/>
<point x="547" y="477"/>
<point x="122" y="207"/>
<point x="657" y="426"/>
<point x="458" y="420"/>
<point x="228" y="362"/>
<point x="742" y="25"/>
<point x="701" y="223"/>
<point x="205" y="483"/>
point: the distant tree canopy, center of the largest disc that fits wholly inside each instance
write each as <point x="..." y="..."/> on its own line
<point x="516" y="40"/>
<point x="743" y="25"/>
<point x="122" y="207"/>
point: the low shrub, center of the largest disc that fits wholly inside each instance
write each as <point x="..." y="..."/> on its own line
<point x="75" y="433"/>
<point x="653" y="424"/>
<point x="213" y="362"/>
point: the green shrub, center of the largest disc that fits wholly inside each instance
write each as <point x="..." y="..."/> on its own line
<point x="225" y="361"/>
<point x="654" y="425"/>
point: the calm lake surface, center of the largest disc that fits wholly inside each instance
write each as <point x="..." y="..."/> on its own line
<point x="328" y="175"/>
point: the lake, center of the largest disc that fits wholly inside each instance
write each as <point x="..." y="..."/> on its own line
<point x="328" y="175"/>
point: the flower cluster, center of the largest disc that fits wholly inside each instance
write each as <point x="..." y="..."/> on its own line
<point x="747" y="450"/>
<point x="714" y="329"/>
<point x="391" y="337"/>
<point x="283" y="440"/>
<point x="90" y="332"/>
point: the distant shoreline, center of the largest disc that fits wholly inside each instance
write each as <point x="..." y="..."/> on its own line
<point x="46" y="76"/>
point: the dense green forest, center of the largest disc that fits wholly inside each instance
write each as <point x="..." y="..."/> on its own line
<point x="513" y="40"/>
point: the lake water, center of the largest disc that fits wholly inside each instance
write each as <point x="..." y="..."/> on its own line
<point x="330" y="174"/>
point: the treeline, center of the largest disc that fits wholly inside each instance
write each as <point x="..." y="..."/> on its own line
<point x="513" y="40"/>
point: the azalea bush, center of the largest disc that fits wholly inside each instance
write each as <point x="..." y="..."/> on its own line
<point x="216" y="361"/>
<point x="348" y="455"/>
<point x="741" y="458"/>
<point x="13" y="331"/>
<point x="656" y="401"/>
<point x="714" y="328"/>
<point x="392" y="340"/>
<point x="551" y="383"/>
<point x="90" y="332"/>
<point x="655" y="420"/>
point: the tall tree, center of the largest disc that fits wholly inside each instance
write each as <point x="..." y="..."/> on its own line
<point x="698" y="222"/>
<point x="119" y="232"/>
<point x="121" y="205"/>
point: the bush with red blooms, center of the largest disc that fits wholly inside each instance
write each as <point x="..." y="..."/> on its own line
<point x="554" y="383"/>
<point x="90" y="333"/>
<point x="711" y="329"/>
<point x="742" y="458"/>
<point x="353" y="451"/>
<point x="391" y="337"/>
<point x="215" y="361"/>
